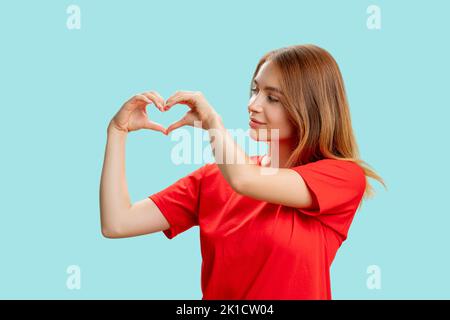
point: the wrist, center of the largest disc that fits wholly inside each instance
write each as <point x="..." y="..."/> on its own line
<point x="214" y="121"/>
<point x="113" y="130"/>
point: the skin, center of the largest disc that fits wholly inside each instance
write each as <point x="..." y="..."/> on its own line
<point x="120" y="218"/>
<point x="265" y="105"/>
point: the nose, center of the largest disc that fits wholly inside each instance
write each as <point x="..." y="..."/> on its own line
<point x="254" y="105"/>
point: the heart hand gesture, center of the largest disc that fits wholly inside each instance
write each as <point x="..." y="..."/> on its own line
<point x="133" y="116"/>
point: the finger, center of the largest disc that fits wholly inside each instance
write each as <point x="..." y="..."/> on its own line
<point x="135" y="101"/>
<point x="171" y="98"/>
<point x="187" y="98"/>
<point x="175" y="98"/>
<point x="155" y="98"/>
<point x="155" y="126"/>
<point x="176" y="125"/>
<point x="160" y="98"/>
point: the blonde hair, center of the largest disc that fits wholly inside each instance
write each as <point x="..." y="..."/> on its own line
<point x="317" y="106"/>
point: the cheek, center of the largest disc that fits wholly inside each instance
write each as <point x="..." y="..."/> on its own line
<point x="278" y="119"/>
<point x="286" y="131"/>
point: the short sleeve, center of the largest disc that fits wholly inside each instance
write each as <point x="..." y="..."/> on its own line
<point x="179" y="202"/>
<point x="337" y="186"/>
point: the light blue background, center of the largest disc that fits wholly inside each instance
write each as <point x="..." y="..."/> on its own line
<point x="60" y="88"/>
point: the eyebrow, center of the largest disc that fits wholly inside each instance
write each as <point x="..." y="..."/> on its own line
<point x="269" y="88"/>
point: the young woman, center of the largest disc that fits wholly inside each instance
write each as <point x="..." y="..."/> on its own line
<point x="263" y="236"/>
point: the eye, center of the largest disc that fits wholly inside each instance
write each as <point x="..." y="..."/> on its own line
<point x="270" y="98"/>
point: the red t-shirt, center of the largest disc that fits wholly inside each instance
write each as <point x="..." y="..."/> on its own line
<point x="252" y="249"/>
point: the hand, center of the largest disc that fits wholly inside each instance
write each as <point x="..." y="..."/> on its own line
<point x="133" y="114"/>
<point x="201" y="110"/>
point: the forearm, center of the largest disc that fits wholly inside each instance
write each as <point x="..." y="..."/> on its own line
<point x="233" y="162"/>
<point x="114" y="197"/>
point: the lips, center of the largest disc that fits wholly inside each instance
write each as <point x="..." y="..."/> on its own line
<point x="256" y="121"/>
<point x="253" y="124"/>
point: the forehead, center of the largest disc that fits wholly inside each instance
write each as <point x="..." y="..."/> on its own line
<point x="267" y="74"/>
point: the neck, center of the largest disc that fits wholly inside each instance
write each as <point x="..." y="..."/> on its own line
<point x="281" y="150"/>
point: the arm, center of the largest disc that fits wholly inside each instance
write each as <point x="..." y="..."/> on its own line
<point x="118" y="217"/>
<point x="285" y="186"/>
<point x="114" y="197"/>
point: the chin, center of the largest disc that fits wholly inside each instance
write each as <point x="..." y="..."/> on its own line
<point x="255" y="135"/>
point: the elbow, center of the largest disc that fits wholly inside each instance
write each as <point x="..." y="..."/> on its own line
<point x="110" y="226"/>
<point x="106" y="233"/>
<point x="110" y="233"/>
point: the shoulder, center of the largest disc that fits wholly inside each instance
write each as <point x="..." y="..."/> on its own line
<point x="339" y="171"/>
<point x="336" y="163"/>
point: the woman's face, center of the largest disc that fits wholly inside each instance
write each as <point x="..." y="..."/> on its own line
<point x="265" y="106"/>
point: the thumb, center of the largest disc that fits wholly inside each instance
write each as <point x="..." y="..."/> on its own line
<point x="155" y="126"/>
<point x="176" y="125"/>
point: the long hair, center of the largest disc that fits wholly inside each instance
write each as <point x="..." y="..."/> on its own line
<point x="317" y="105"/>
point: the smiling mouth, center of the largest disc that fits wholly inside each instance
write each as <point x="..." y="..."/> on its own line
<point x="256" y="121"/>
<point x="255" y="124"/>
